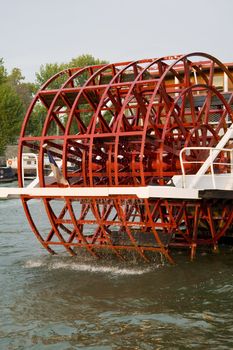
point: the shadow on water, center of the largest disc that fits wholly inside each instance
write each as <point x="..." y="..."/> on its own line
<point x="57" y="302"/>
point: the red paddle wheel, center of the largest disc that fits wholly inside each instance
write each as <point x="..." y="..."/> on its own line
<point x="123" y="125"/>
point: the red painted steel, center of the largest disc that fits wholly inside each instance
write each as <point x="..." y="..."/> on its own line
<point x="124" y="124"/>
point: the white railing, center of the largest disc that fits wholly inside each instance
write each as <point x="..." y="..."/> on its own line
<point x="213" y="153"/>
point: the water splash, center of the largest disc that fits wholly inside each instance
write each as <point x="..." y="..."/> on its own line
<point x="87" y="267"/>
<point x="100" y="269"/>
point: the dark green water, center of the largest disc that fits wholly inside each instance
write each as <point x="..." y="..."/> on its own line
<point x="67" y="303"/>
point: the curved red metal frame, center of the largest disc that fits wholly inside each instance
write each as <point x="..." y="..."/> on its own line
<point x="124" y="124"/>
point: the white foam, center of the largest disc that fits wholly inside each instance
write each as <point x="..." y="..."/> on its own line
<point x="33" y="263"/>
<point x="98" y="269"/>
<point x="114" y="270"/>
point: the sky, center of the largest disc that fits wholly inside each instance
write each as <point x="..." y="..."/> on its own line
<point x="36" y="32"/>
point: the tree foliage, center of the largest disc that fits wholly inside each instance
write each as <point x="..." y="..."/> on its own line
<point x="46" y="72"/>
<point x="25" y="91"/>
<point x="85" y="60"/>
<point x="50" y="69"/>
<point x="3" y="72"/>
<point x="11" y="113"/>
<point x="16" y="95"/>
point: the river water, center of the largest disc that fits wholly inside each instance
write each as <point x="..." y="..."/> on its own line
<point x="61" y="302"/>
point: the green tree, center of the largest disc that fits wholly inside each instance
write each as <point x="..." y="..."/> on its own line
<point x="36" y="121"/>
<point x="15" y="96"/>
<point x="50" y="69"/>
<point x="47" y="71"/>
<point x="3" y="72"/>
<point x="11" y="115"/>
<point x="85" y="60"/>
<point x="25" y="91"/>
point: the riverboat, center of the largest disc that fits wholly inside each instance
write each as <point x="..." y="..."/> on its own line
<point x="151" y="142"/>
